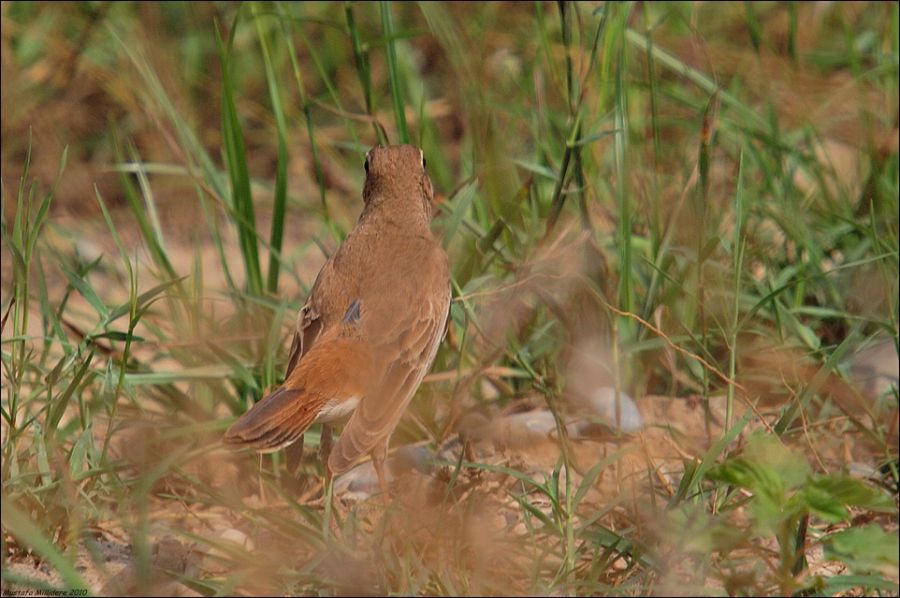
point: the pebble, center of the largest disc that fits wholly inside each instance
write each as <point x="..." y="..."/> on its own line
<point x="600" y="407"/>
<point x="361" y="482"/>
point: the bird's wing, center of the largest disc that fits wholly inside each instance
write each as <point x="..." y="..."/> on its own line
<point x="406" y="354"/>
<point x="329" y="294"/>
<point x="309" y="325"/>
<point x="337" y="369"/>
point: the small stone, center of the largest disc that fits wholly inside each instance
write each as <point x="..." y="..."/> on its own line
<point x="524" y="430"/>
<point x="876" y="369"/>
<point x="600" y="407"/>
<point x="361" y="482"/>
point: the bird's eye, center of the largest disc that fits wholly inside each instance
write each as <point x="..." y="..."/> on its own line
<point x="424" y="162"/>
<point x="366" y="165"/>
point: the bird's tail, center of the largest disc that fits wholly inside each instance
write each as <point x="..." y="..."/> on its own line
<point x="331" y="376"/>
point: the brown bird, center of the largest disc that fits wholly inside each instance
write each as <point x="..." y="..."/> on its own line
<point x="370" y="328"/>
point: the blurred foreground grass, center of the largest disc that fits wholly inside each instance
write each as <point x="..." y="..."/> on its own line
<point x="696" y="201"/>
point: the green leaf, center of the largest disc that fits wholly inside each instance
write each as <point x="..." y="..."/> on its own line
<point x="823" y="504"/>
<point x="61" y="403"/>
<point x="142" y="299"/>
<point x="238" y="171"/>
<point x="865" y="549"/>
<point x="387" y="23"/>
<point x="826" y="496"/>
<point x="487" y="241"/>
<point x="536" y="168"/>
<point x="461" y="205"/>
<point x="694" y="474"/>
<point x="768" y="470"/>
<point x="212" y="372"/>
<point x="280" y="198"/>
<point x="81" y="285"/>
<point x="770" y="478"/>
<point x="790" y="412"/>
<point x="79" y="451"/>
<point x="43" y="462"/>
<point x="118" y="335"/>
<point x="839" y="584"/>
<point x="790" y="467"/>
<point x="588" y="139"/>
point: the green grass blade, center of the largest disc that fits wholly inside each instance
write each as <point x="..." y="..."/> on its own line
<point x="236" y="159"/>
<point x="387" y="24"/>
<point x="305" y="106"/>
<point x="280" y="199"/>
<point x="361" y="60"/>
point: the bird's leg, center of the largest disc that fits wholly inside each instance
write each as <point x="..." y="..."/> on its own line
<point x="329" y="476"/>
<point x="325" y="446"/>
<point x="327" y="495"/>
<point x="293" y="455"/>
<point x="328" y="488"/>
<point x="378" y="455"/>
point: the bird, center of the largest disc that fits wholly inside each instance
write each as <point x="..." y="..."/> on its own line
<point x="370" y="328"/>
